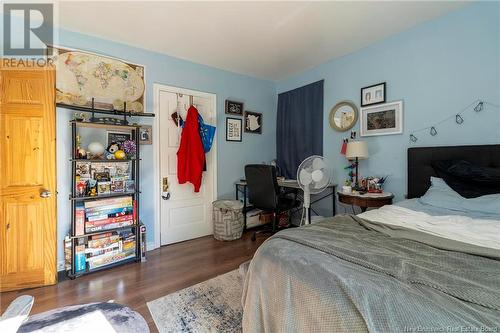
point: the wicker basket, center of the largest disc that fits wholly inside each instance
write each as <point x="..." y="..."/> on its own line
<point x="228" y="219"/>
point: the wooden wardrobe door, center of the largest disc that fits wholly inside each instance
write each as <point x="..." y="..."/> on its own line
<point x="28" y="240"/>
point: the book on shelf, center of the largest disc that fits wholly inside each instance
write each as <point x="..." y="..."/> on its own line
<point x="109" y="212"/>
<point x="80" y="258"/>
<point x="109" y="220"/>
<point x="109" y="226"/>
<point x="110" y="259"/>
<point x="104" y="241"/>
<point x="103" y="208"/>
<point x="98" y="251"/>
<point x="108" y="202"/>
<point x="67" y="253"/>
<point x="79" y="219"/>
<point x="112" y="248"/>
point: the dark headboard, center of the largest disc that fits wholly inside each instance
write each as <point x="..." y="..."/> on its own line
<point x="420" y="159"/>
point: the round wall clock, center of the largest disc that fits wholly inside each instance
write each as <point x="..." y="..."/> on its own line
<point x="343" y="116"/>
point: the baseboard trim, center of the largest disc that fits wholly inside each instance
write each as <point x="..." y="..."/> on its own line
<point x="150" y="246"/>
<point x="60" y="266"/>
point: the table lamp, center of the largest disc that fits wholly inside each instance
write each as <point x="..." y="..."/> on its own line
<point x="356" y="150"/>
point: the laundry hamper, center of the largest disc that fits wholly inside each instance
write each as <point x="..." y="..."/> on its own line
<point x="228" y="219"/>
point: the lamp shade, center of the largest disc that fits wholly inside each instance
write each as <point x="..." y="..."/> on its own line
<point x="357" y="149"/>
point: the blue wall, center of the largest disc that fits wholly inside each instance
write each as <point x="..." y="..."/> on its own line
<point x="437" y="69"/>
<point x="258" y="95"/>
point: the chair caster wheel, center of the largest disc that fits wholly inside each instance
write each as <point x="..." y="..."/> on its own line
<point x="254" y="237"/>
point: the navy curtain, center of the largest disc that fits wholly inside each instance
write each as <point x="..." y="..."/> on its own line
<point x="299" y="131"/>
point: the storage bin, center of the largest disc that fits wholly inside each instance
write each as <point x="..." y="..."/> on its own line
<point x="253" y="218"/>
<point x="228" y="219"/>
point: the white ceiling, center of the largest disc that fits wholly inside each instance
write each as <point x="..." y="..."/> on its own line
<point x="269" y="40"/>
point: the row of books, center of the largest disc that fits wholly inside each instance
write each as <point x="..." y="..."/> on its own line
<point x="104" y="249"/>
<point x="101" y="215"/>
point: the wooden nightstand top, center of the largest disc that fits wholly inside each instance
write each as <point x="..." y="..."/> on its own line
<point x="366" y="200"/>
<point x="375" y="196"/>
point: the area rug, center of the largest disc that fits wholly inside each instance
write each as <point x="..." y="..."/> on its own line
<point x="210" y="306"/>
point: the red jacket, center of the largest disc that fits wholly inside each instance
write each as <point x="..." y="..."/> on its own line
<point x="191" y="156"/>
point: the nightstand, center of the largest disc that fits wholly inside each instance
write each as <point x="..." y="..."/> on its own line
<point x="366" y="200"/>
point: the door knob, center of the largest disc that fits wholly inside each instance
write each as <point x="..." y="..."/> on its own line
<point x="45" y="194"/>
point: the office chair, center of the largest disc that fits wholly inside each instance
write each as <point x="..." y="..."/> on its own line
<point x="264" y="193"/>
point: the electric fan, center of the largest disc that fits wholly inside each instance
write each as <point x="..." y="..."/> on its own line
<point x="313" y="176"/>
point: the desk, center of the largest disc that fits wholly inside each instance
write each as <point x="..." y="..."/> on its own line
<point x="241" y="187"/>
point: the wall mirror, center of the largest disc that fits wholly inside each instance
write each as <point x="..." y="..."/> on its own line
<point x="343" y="116"/>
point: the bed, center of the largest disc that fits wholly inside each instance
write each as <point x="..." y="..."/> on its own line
<point x="412" y="267"/>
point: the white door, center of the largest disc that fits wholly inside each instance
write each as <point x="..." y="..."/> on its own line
<point x="186" y="214"/>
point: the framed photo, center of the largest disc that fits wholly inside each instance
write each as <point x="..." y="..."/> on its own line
<point x="382" y="119"/>
<point x="234" y="108"/>
<point x="233" y="129"/>
<point x="372" y="95"/>
<point x="83" y="75"/>
<point x="253" y="122"/>
<point x="146" y="135"/>
<point x="117" y="137"/>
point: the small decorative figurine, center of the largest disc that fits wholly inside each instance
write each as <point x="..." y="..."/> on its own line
<point x="92" y="187"/>
<point x="111" y="150"/>
<point x="113" y="147"/>
<point x="81" y="186"/>
<point x="79" y="152"/>
<point x="79" y="116"/>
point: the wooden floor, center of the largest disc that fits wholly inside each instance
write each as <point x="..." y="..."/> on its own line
<point x="168" y="269"/>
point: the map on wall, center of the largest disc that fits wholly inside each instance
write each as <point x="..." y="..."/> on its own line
<point x="81" y="76"/>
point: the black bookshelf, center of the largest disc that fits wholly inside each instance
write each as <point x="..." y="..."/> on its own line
<point x="75" y="199"/>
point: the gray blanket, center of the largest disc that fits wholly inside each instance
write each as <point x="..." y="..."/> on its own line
<point x="343" y="275"/>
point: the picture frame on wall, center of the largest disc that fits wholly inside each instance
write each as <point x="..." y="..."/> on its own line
<point x="253" y="122"/>
<point x="78" y="85"/>
<point x="234" y="108"/>
<point x="382" y="119"/>
<point x="146" y="135"/>
<point x="233" y="129"/>
<point x="117" y="137"/>
<point x="374" y="94"/>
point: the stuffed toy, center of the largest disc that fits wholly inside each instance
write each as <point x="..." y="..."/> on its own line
<point x="111" y="150"/>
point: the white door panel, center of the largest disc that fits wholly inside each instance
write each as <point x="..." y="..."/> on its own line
<point x="186" y="214"/>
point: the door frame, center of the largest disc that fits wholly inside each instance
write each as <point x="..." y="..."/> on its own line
<point x="157" y="87"/>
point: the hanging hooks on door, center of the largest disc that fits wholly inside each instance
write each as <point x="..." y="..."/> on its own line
<point x="191" y="101"/>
